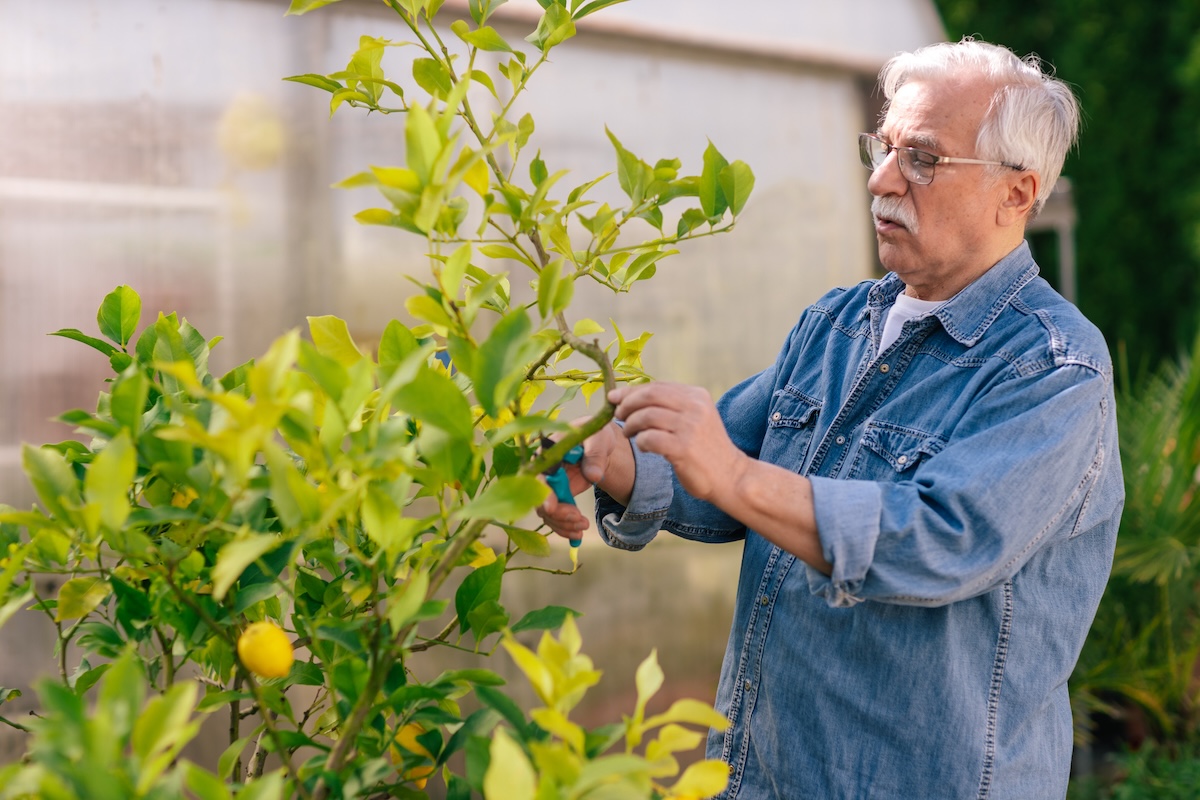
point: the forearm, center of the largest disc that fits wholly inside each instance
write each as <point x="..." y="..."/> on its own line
<point x="775" y="503"/>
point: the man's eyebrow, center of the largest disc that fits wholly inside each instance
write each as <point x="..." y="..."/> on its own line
<point x="922" y="141"/>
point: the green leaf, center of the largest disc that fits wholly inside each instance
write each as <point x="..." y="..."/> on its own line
<point x="486" y="38"/>
<point x="235" y="556"/>
<point x="436" y="400"/>
<point x="737" y="181"/>
<point x="107" y="484"/>
<point x="332" y="338"/>
<point x="91" y="341"/>
<point x="547" y="289"/>
<point x="431" y="75"/>
<point x="405" y="600"/>
<point x="482" y="9"/>
<point x="529" y="542"/>
<point x="78" y="597"/>
<point x="487" y="618"/>
<point x="52" y="479"/>
<point x="204" y="784"/>
<point x="633" y="174"/>
<point x="506" y="500"/>
<point x="128" y="402"/>
<point x="304" y="6"/>
<point x="555" y="27"/>
<point x="544" y="619"/>
<point x="119" y="314"/>
<point x="319" y="81"/>
<point x="162" y="729"/>
<point x="293" y="497"/>
<point x="481" y="586"/>
<point x="395" y="346"/>
<point x="501" y="364"/>
<point x="712" y="197"/>
<point x="270" y="786"/>
<point x="593" y="7"/>
<point x="422" y="142"/>
<point x="690" y="220"/>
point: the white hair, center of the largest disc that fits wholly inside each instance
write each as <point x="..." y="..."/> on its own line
<point x="1033" y="119"/>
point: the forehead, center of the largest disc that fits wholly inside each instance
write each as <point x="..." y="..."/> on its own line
<point x="944" y="116"/>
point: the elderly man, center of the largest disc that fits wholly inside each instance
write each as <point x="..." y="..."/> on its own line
<point x="927" y="479"/>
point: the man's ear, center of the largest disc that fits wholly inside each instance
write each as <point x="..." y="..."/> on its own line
<point x="1022" y="190"/>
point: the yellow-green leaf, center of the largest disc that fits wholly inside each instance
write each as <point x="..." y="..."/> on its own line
<point x="703" y="779"/>
<point x="509" y="775"/>
<point x="235" y="556"/>
<point x="119" y="314"/>
<point x="535" y="670"/>
<point x="79" y="596"/>
<point x="422" y="143"/>
<point x="690" y="711"/>
<point x="506" y="500"/>
<point x="555" y="722"/>
<point x="332" y="338"/>
<point x="106" y="485"/>
<point x="586" y="327"/>
<point x="405" y="600"/>
<point x="737" y="181"/>
<point x="648" y="681"/>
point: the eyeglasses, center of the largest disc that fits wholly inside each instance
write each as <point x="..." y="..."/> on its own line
<point x="915" y="165"/>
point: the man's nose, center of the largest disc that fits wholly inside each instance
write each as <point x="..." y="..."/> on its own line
<point x="886" y="178"/>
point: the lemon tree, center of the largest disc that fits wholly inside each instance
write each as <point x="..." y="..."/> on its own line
<point x="280" y="545"/>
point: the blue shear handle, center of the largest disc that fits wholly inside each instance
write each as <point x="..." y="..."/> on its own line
<point x="558" y="477"/>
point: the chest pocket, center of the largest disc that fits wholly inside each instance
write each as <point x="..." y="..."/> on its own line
<point x="791" y="420"/>
<point x="891" y="452"/>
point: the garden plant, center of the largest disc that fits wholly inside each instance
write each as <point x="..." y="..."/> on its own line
<point x="282" y="546"/>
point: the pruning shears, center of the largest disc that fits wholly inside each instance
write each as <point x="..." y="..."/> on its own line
<point x="556" y="476"/>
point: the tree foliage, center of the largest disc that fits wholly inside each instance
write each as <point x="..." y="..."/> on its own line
<point x="315" y="518"/>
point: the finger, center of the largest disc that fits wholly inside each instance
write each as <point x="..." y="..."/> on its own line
<point x="664" y="395"/>
<point x="653" y="418"/>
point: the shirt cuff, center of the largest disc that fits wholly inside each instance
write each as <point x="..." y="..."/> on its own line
<point x="847" y="514"/>
<point x="632" y="527"/>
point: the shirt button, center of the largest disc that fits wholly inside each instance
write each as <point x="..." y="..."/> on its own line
<point x="764" y="600"/>
<point x="747" y="685"/>
<point x="884" y="368"/>
<point x="776" y="416"/>
<point x="901" y="459"/>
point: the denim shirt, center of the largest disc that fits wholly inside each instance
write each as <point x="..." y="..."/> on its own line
<point x="967" y="488"/>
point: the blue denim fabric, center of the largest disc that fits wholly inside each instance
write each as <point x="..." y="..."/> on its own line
<point x="968" y="488"/>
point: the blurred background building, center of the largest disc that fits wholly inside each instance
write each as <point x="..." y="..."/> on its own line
<point x="154" y="144"/>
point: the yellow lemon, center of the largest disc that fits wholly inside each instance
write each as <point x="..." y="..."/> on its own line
<point x="266" y="650"/>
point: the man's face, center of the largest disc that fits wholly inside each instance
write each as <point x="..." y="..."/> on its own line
<point x="955" y="229"/>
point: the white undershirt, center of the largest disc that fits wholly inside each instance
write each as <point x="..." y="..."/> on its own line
<point x="904" y="309"/>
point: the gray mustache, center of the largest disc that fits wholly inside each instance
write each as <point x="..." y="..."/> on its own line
<point x="895" y="209"/>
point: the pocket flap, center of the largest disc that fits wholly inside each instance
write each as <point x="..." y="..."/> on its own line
<point x="790" y="410"/>
<point x="901" y="447"/>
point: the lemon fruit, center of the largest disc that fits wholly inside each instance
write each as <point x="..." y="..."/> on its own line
<point x="266" y="650"/>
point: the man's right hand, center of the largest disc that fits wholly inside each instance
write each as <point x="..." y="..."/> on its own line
<point x="607" y="455"/>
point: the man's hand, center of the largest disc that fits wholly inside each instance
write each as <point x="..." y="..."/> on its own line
<point x="681" y="423"/>
<point x="603" y="464"/>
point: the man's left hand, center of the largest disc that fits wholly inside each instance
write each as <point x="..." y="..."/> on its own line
<point x="681" y="423"/>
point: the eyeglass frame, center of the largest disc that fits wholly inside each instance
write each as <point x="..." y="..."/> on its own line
<point x="907" y="164"/>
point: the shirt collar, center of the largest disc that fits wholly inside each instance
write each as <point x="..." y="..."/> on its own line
<point x="967" y="315"/>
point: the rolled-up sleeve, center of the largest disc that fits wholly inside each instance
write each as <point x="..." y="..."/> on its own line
<point x="632" y="527"/>
<point x="969" y="517"/>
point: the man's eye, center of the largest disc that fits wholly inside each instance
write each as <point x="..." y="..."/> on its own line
<point x="922" y="159"/>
